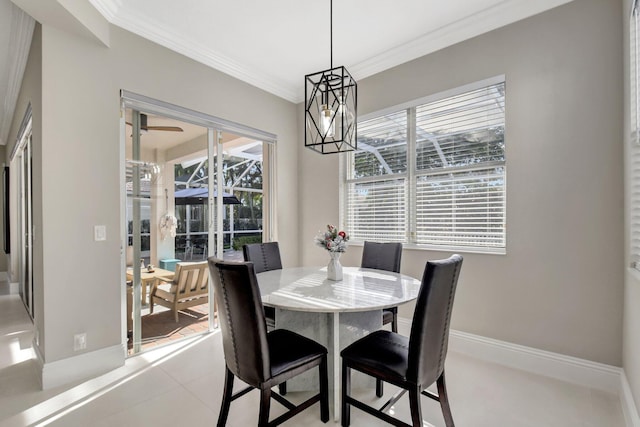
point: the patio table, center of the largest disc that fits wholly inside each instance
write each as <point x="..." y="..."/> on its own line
<point x="149" y="278"/>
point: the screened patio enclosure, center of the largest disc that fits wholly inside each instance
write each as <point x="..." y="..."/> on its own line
<point x="242" y="200"/>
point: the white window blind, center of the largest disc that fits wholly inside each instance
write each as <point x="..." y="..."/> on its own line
<point x="377" y="210"/>
<point x="376" y="191"/>
<point x="460" y="191"/>
<point x="461" y="209"/>
<point x="433" y="173"/>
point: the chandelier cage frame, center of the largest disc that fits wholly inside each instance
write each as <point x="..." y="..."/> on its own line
<point x="331" y="103"/>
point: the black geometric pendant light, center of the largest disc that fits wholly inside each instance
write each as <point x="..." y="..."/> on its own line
<point x="330" y="108"/>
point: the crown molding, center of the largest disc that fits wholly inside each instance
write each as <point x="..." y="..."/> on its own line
<point x="487" y="20"/>
<point x="166" y="37"/>
<point x="108" y="8"/>
<point x="22" y="26"/>
<point x="502" y="14"/>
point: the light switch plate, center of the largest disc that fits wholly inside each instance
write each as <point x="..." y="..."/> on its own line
<point x="79" y="342"/>
<point x="100" y="233"/>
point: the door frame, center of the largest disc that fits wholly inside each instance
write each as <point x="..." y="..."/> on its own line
<point x="215" y="126"/>
<point x="21" y="160"/>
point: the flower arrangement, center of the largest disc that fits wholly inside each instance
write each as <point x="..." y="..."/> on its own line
<point x="332" y="239"/>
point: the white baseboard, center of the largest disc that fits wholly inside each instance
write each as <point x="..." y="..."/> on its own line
<point x="14" y="288"/>
<point x="82" y="366"/>
<point x="629" y="408"/>
<point x="566" y="368"/>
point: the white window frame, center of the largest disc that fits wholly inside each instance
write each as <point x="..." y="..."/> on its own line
<point x="411" y="174"/>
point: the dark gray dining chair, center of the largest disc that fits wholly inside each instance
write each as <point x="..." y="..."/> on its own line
<point x="384" y="256"/>
<point x="265" y="257"/>
<point x="259" y="358"/>
<point x="412" y="363"/>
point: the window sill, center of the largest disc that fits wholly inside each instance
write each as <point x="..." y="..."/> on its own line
<point x="452" y="249"/>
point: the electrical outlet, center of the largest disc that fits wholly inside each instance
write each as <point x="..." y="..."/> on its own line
<point x="79" y="342"/>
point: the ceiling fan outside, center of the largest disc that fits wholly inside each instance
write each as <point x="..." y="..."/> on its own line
<point x="145" y="127"/>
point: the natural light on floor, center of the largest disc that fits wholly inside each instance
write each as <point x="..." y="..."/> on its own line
<point x="64" y="403"/>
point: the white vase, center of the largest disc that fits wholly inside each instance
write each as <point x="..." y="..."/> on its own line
<point x="334" y="269"/>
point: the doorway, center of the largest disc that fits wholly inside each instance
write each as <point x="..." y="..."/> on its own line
<point x="21" y="161"/>
<point x="173" y="215"/>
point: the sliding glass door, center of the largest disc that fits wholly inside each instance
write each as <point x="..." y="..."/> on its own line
<point x="184" y="203"/>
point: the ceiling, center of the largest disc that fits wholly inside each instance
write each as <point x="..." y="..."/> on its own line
<point x="274" y="44"/>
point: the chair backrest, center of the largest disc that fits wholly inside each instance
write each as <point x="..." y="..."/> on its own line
<point x="429" y="337"/>
<point x="264" y="256"/>
<point x="382" y="256"/>
<point x="242" y="322"/>
<point x="190" y="279"/>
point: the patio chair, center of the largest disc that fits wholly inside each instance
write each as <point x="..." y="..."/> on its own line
<point x="200" y="247"/>
<point x="188" y="288"/>
<point x="184" y="246"/>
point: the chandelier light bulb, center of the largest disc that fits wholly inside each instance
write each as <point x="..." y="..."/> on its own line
<point x="327" y="122"/>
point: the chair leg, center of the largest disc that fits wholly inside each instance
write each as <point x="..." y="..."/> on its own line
<point x="226" y="398"/>
<point x="282" y="388"/>
<point x="175" y="308"/>
<point x="394" y="322"/>
<point x="324" y="390"/>
<point x="414" y="406"/>
<point x="444" y="401"/>
<point x="265" y="402"/>
<point x="379" y="387"/>
<point x="346" y="391"/>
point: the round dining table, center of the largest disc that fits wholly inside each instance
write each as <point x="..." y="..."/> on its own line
<point x="334" y="313"/>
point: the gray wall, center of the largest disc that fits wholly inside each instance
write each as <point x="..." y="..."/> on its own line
<point x="631" y="325"/>
<point x="78" y="281"/>
<point x="559" y="287"/>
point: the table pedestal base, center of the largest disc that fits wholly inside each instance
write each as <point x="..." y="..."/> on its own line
<point x="335" y="331"/>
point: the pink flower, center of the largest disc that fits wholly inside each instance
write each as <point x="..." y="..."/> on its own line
<point x="342" y="234"/>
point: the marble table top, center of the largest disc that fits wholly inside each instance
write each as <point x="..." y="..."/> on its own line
<point x="362" y="289"/>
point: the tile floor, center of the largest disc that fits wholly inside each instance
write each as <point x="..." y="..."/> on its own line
<point x="181" y="384"/>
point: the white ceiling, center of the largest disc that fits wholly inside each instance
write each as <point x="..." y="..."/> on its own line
<point x="274" y="44"/>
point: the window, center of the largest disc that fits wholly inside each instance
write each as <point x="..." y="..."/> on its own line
<point x="432" y="173"/>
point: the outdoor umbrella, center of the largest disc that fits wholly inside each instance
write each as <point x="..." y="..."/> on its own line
<point x="199" y="196"/>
